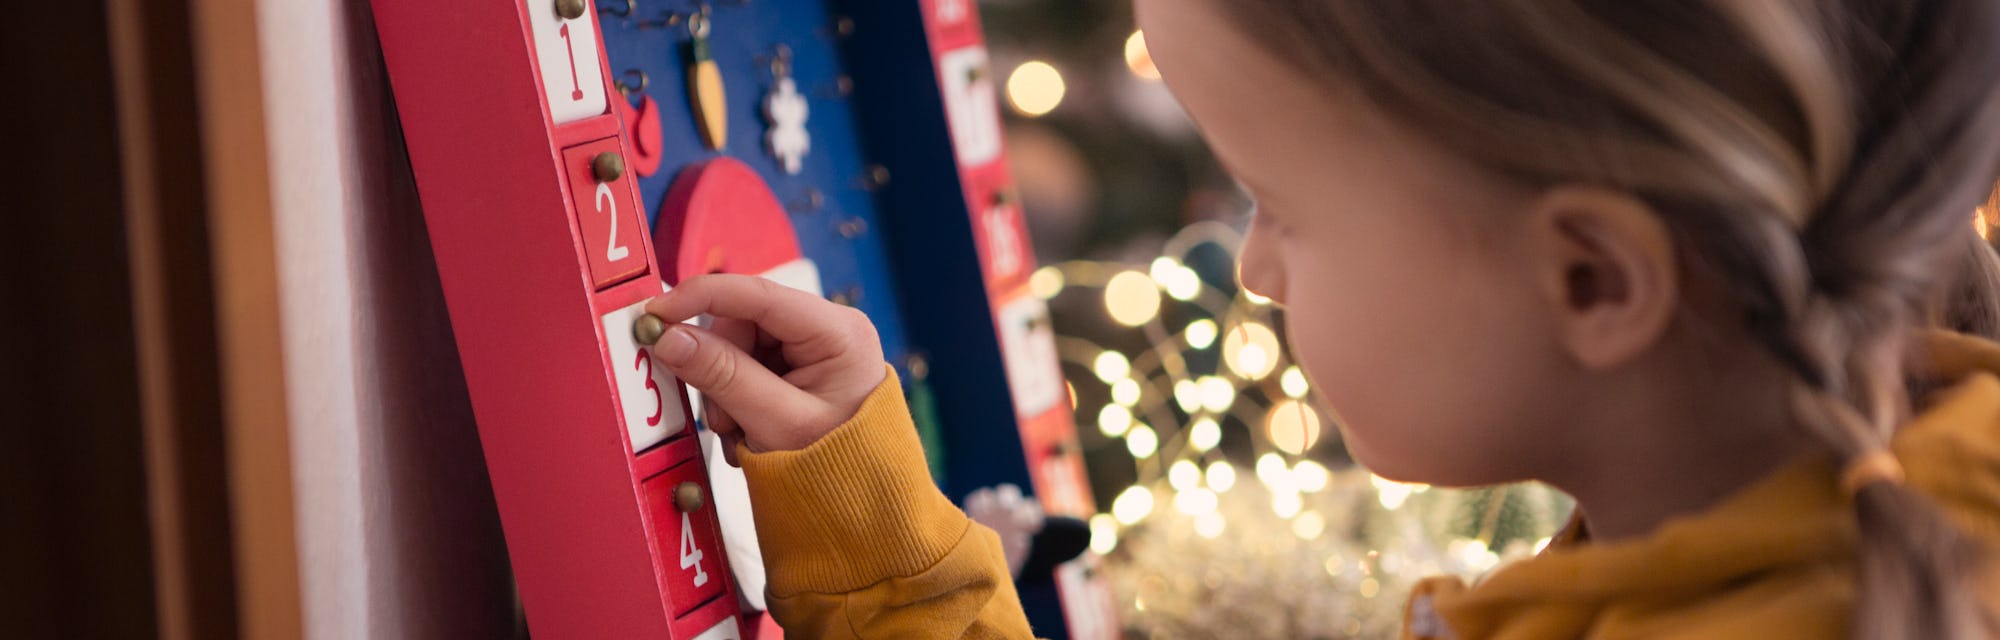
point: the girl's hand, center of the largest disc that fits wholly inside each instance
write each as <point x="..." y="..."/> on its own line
<point x="778" y="368"/>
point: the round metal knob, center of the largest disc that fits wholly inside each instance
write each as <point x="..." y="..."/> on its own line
<point x="607" y="166"/>
<point x="648" y="329"/>
<point x="687" y="496"/>
<point x="569" y="9"/>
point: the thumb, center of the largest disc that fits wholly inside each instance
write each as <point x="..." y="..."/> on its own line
<point x="761" y="403"/>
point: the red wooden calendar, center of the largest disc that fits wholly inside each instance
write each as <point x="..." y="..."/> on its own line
<point x="542" y="247"/>
<point x="572" y="158"/>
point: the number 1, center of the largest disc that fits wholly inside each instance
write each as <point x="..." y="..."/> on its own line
<point x="576" y="93"/>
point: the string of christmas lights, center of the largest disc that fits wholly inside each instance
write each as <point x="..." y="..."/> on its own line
<point x="1290" y="540"/>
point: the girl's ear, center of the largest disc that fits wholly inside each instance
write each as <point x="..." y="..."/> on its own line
<point x="1606" y="265"/>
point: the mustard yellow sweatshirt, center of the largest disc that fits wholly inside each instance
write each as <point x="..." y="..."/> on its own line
<point x="859" y="543"/>
<point x="1775" y="560"/>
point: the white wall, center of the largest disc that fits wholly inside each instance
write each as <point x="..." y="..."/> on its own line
<point x="397" y="532"/>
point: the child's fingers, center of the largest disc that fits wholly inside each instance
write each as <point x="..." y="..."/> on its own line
<point x="787" y="314"/>
<point x="733" y="380"/>
<point x="729" y="448"/>
<point x="718" y="419"/>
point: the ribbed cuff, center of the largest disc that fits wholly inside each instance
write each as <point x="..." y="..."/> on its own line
<point x="853" y="509"/>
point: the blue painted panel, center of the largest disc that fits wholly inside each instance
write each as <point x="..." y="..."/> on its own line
<point x="743" y="40"/>
<point x="917" y="255"/>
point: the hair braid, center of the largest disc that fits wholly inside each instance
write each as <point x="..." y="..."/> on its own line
<point x="1817" y="158"/>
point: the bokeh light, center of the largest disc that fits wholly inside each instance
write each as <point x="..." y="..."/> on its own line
<point x="1196" y="501"/>
<point x="1221" y="476"/>
<point x="1125" y="392"/>
<point x="1046" y="282"/>
<point x="1035" y="88"/>
<point x="1251" y="350"/>
<point x="1272" y="470"/>
<point x="1111" y="366"/>
<point x="1209" y="525"/>
<point x="1393" y="494"/>
<point x="1293" y="426"/>
<point x="1293" y="382"/>
<point x="1286" y="504"/>
<point x="1311" y="476"/>
<point x="1204" y="434"/>
<point x="1132" y="505"/>
<point x="1141" y="441"/>
<point x="1216" y="393"/>
<point x="1138" y="59"/>
<point x="1309" y="525"/>
<point x="1131" y="298"/>
<point x="1187" y="394"/>
<point x="1201" y="333"/>
<point x="1103" y="533"/>
<point x="1184" y="475"/>
<point x="1114" y="420"/>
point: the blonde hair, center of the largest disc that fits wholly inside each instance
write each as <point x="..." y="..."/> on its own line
<point x="1817" y="158"/>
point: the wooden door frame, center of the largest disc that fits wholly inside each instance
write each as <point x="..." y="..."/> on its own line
<point x="206" y="319"/>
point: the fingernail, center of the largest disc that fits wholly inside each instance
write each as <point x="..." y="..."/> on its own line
<point x="675" y="347"/>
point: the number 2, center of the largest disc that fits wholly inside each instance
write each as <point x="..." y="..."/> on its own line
<point x="616" y="251"/>
<point x="691" y="553"/>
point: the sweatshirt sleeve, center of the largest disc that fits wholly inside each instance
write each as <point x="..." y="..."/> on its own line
<point x="859" y="543"/>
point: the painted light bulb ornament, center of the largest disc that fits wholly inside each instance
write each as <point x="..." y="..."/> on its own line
<point x="705" y="89"/>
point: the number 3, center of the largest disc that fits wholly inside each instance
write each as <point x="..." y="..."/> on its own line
<point x="616" y="252"/>
<point x="690" y="553"/>
<point x="645" y="367"/>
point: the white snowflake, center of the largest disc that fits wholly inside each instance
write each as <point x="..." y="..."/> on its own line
<point x="788" y="139"/>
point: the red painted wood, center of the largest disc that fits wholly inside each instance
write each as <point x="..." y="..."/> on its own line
<point x="607" y="212"/>
<point x="511" y="251"/>
<point x="720" y="217"/>
<point x="686" y="560"/>
<point x="642" y="122"/>
<point x="1049" y="439"/>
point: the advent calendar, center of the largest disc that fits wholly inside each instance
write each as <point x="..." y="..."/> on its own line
<point x="576" y="158"/>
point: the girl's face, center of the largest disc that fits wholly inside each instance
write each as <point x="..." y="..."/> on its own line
<point x="1394" y="261"/>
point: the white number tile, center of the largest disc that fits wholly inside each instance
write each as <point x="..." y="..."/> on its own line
<point x="652" y="412"/>
<point x="566" y="54"/>
<point x="971" y="105"/>
<point x="1028" y="344"/>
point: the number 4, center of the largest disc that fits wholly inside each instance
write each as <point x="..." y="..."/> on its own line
<point x="690" y="553"/>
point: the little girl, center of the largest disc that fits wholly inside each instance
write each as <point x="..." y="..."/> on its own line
<point x="1708" y="266"/>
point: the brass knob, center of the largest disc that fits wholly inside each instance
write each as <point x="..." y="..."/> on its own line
<point x="569" y="9"/>
<point x="687" y="497"/>
<point x="648" y="329"/>
<point x="607" y="166"/>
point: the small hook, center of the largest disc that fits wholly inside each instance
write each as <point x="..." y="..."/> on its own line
<point x="625" y="86"/>
<point x="843" y="86"/>
<point x="781" y="62"/>
<point x="698" y="24"/>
